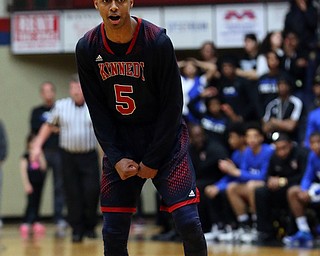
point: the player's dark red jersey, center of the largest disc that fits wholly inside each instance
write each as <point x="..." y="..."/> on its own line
<point x="135" y="100"/>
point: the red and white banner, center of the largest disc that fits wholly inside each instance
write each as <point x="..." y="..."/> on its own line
<point x="234" y="21"/>
<point x="36" y="32"/>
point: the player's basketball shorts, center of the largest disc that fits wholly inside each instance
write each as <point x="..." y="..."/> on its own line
<point x="175" y="183"/>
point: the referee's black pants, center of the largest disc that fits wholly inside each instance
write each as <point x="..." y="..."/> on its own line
<point x="269" y="205"/>
<point x="82" y="186"/>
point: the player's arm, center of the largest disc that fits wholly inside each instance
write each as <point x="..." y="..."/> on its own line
<point x="309" y="174"/>
<point x="104" y="125"/>
<point x="167" y="77"/>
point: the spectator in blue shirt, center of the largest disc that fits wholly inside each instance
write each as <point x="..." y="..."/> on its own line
<point x="299" y="197"/>
<point x="248" y="177"/>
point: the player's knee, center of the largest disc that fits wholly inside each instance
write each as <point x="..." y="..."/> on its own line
<point x="189" y="227"/>
<point x="115" y="233"/>
<point x="187" y="222"/>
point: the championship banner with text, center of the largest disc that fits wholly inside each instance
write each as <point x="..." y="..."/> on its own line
<point x="36" y="32"/>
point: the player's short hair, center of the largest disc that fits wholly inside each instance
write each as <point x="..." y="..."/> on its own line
<point x="314" y="134"/>
<point x="251" y="36"/>
<point x="254" y="125"/>
<point x="47" y="82"/>
<point x="237" y="127"/>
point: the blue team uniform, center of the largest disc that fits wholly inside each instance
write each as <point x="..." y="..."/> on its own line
<point x="236" y="158"/>
<point x="312" y="172"/>
<point x="313" y="125"/>
<point x="136" y="111"/>
<point x="255" y="167"/>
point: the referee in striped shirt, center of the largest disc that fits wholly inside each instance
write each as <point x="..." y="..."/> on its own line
<point x="79" y="159"/>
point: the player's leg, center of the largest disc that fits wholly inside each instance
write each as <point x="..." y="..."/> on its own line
<point x="296" y="206"/>
<point x="188" y="225"/>
<point x="251" y="188"/>
<point x="176" y="183"/>
<point x="118" y="203"/>
<point x="236" y="193"/>
<point x="116" y="227"/>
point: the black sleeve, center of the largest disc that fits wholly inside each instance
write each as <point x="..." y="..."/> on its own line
<point x="302" y="157"/>
<point x="270" y="171"/>
<point x="35" y="122"/>
<point x="167" y="78"/>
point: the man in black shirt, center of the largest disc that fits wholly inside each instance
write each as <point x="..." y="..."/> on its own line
<point x="286" y="168"/>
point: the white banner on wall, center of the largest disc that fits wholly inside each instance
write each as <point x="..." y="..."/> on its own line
<point x="76" y="24"/>
<point x="189" y="27"/>
<point x="276" y="14"/>
<point x="234" y="21"/>
<point x="151" y="14"/>
<point x="36" y="32"/>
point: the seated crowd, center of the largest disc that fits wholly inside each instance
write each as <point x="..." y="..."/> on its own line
<point x="255" y="142"/>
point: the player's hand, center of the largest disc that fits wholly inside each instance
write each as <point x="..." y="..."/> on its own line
<point x="126" y="168"/>
<point x="146" y="172"/>
<point x="28" y="188"/>
<point x="228" y="167"/>
<point x="211" y="191"/>
<point x="273" y="183"/>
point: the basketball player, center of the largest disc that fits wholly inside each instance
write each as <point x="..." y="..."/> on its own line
<point x="131" y="83"/>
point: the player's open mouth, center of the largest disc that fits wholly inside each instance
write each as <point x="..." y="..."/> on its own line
<point x="114" y="18"/>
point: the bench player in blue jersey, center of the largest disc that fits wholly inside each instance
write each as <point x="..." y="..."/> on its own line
<point x="131" y="83"/>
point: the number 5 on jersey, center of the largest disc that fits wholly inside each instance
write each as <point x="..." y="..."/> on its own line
<point x="125" y="105"/>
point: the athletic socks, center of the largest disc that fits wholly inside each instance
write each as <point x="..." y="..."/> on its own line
<point x="302" y="224"/>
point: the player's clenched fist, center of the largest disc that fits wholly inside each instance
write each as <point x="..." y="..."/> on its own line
<point x="146" y="172"/>
<point x="126" y="168"/>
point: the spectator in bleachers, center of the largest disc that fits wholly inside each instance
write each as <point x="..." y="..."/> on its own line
<point x="193" y="83"/>
<point x="240" y="100"/>
<point x="267" y="84"/>
<point x="248" y="61"/>
<point x="213" y="119"/>
<point x="286" y="168"/>
<point x="294" y="62"/>
<point x="208" y="52"/>
<point x="248" y="177"/>
<point x="305" y="194"/>
<point x="283" y="113"/>
<point x="271" y="42"/>
<point x="217" y="192"/>
<point x="313" y="120"/>
<point x="302" y="19"/>
<point x="315" y="103"/>
<point x="205" y="156"/>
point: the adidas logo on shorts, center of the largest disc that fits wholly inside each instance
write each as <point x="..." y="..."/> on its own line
<point x="192" y="194"/>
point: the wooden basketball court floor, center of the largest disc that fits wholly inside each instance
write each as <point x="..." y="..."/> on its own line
<point x="11" y="244"/>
